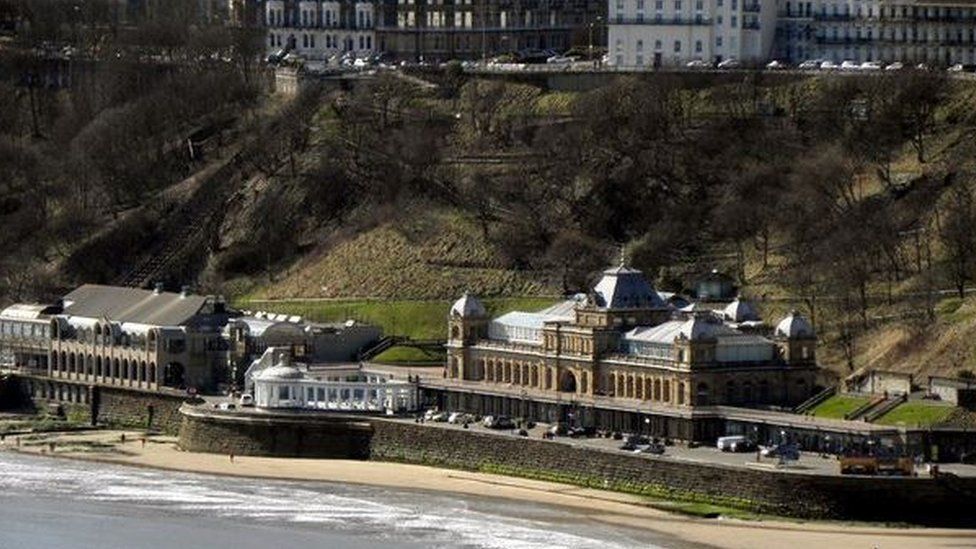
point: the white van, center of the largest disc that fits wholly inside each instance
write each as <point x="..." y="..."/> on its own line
<point x="726" y="444"/>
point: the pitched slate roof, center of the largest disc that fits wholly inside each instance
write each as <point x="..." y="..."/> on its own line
<point x="626" y="288"/>
<point x="133" y="305"/>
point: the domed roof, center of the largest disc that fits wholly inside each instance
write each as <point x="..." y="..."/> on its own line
<point x="740" y="311"/>
<point x="700" y="326"/>
<point x="467" y="306"/>
<point x="794" y="325"/>
<point x="626" y="288"/>
<point x="279" y="372"/>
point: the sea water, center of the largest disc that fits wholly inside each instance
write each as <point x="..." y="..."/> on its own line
<point x="46" y="502"/>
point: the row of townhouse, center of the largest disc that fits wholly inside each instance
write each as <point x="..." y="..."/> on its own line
<point x="429" y="29"/>
<point x="662" y="33"/>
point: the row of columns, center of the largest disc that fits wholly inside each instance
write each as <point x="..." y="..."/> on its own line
<point x="647" y="387"/>
<point x="107" y="370"/>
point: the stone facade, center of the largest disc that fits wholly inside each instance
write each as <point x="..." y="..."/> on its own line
<point x="625" y="344"/>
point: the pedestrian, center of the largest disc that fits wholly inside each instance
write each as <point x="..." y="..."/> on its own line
<point x="143" y="442"/>
<point x="122" y="438"/>
<point x="232" y="457"/>
<point x="18" y="442"/>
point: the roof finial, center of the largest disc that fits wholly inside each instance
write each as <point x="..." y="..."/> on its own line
<point x="623" y="255"/>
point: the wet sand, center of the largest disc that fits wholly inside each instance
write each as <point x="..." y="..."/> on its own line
<point x="608" y="507"/>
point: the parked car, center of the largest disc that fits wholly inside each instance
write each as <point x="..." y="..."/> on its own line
<point x="729" y="64"/>
<point x="956" y="68"/>
<point x="896" y="66"/>
<point x="849" y="65"/>
<point x="828" y="66"/>
<point x="560" y="60"/>
<point x="810" y="64"/>
<point x="871" y="66"/>
<point x="498" y="422"/>
<point x="246" y="400"/>
<point x="226" y="406"/>
<point x="741" y="446"/>
<point x="578" y="432"/>
<point x="559" y="429"/>
<point x="629" y="446"/>
<point x="654" y="448"/>
<point x="921" y="67"/>
<point x="725" y="443"/>
<point x="459" y="418"/>
<point x="775" y="65"/>
<point x="696" y="64"/>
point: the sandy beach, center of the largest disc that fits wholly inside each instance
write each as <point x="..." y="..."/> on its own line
<point x="609" y="507"/>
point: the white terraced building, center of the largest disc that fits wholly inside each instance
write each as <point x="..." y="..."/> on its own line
<point x="320" y="30"/>
<point x="671" y="33"/>
<point x="938" y="32"/>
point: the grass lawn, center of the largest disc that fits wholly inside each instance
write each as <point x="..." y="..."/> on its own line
<point x="836" y="406"/>
<point x="409" y="355"/>
<point x="917" y="414"/>
<point x="412" y="318"/>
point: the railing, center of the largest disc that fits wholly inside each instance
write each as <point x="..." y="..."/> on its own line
<point x="815" y="400"/>
<point x="864" y="408"/>
<point x="832" y="17"/>
<point x="884" y="408"/>
<point x="662" y="21"/>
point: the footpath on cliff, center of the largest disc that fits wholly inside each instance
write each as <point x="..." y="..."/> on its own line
<point x="133" y="448"/>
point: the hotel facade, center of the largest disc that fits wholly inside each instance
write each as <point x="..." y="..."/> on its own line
<point x="671" y="33"/>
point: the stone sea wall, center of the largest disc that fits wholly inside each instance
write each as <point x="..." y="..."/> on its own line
<point x="943" y="501"/>
<point x="96" y="404"/>
<point x="922" y="500"/>
<point x="286" y="435"/>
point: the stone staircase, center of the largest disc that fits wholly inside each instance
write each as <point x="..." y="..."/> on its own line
<point x="883" y="408"/>
<point x="815" y="400"/>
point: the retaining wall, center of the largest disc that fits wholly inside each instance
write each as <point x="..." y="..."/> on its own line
<point x="943" y="501"/>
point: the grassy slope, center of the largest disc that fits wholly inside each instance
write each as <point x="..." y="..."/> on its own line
<point x="416" y="319"/>
<point x="431" y="255"/>
<point x="836" y="406"/>
<point x="917" y="414"/>
<point x="409" y="355"/>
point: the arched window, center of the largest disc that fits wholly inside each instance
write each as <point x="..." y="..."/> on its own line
<point x="681" y="393"/>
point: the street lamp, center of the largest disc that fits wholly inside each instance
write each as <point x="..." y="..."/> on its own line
<point x="598" y="19"/>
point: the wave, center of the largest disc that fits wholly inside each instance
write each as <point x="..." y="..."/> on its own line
<point x="428" y="519"/>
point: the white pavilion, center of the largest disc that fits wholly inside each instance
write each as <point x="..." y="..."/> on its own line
<point x="276" y="382"/>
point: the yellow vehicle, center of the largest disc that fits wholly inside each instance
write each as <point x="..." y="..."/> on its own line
<point x="872" y="465"/>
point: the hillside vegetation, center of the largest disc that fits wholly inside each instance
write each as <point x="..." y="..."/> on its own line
<point x="851" y="198"/>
